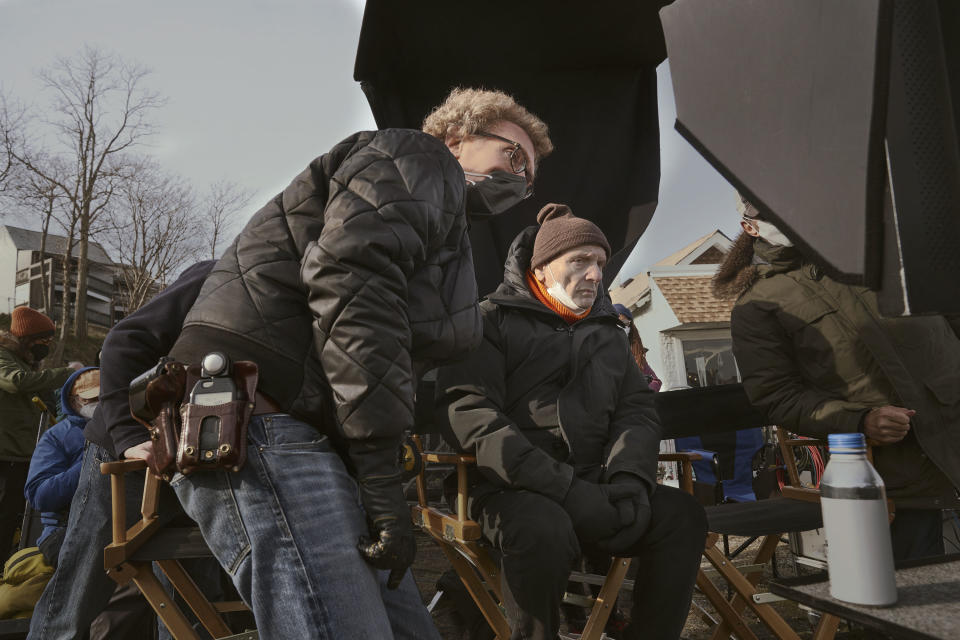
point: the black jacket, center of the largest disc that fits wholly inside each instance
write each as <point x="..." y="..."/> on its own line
<point x="542" y="400"/>
<point x="134" y="345"/>
<point x="356" y="270"/>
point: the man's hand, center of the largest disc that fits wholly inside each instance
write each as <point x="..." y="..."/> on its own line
<point x="592" y="508"/>
<point x="391" y="545"/>
<point x="887" y="424"/>
<point x="634" y="516"/>
<point x="142" y="451"/>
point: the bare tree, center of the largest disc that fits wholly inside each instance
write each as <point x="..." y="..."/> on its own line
<point x="155" y="232"/>
<point x="99" y="112"/>
<point x="223" y="202"/>
<point x="29" y="195"/>
<point x="11" y="124"/>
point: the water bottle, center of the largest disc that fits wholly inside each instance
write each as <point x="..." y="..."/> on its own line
<point x="854" y="504"/>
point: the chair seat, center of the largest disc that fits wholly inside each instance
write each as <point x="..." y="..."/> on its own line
<point x="14" y="629"/>
<point x="173" y="543"/>
<point x="764" y="517"/>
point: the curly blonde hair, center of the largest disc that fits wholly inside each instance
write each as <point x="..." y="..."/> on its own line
<point x="470" y="111"/>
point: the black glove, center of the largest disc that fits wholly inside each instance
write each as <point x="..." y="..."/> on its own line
<point x="592" y="509"/>
<point x="634" y="515"/>
<point x="391" y="544"/>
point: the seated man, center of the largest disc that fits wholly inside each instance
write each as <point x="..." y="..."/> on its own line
<point x="566" y="437"/>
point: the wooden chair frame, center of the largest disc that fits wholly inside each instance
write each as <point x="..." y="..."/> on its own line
<point x="123" y="563"/>
<point x="459" y="538"/>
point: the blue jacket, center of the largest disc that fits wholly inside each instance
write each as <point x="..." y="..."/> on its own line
<point x="55" y="465"/>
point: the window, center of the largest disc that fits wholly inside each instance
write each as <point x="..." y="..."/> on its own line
<point x="709" y="362"/>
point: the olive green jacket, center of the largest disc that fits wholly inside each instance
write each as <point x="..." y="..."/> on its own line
<point x="19" y="418"/>
<point x="816" y="355"/>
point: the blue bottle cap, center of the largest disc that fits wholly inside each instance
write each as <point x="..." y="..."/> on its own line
<point x="846" y="441"/>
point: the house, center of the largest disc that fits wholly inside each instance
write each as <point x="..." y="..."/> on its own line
<point x="685" y="328"/>
<point x="21" y="280"/>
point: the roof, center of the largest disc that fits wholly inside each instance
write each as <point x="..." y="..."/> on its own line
<point x="27" y="240"/>
<point x="707" y="249"/>
<point x="676" y="258"/>
<point x="692" y="300"/>
<point x="630" y="291"/>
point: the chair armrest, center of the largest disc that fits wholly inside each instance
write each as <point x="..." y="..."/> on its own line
<point x="445" y="525"/>
<point x="702" y="453"/>
<point x="448" y="458"/>
<point x="122" y="466"/>
<point x="801" y="493"/>
<point x="679" y="456"/>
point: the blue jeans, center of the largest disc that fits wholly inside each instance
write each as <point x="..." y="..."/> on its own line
<point x="285" y="527"/>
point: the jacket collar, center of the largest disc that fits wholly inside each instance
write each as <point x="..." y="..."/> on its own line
<point x="772" y="259"/>
<point x="513" y="291"/>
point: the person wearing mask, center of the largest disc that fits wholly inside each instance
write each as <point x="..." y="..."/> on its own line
<point x="566" y="438"/>
<point x="636" y="347"/>
<point x="354" y="279"/>
<point x="818" y="358"/>
<point x="51" y="485"/>
<point x="22" y="349"/>
<point x="55" y="465"/>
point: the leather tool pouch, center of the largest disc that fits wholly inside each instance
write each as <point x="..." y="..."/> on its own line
<point x="155" y="403"/>
<point x="214" y="436"/>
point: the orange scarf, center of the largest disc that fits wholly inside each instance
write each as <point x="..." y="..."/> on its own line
<point x="541" y="294"/>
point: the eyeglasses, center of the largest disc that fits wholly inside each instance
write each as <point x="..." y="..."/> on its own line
<point x="518" y="157"/>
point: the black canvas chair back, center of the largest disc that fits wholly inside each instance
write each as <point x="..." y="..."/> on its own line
<point x="719" y="423"/>
<point x="706" y="410"/>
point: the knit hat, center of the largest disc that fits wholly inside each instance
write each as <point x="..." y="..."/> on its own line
<point x="28" y="323"/>
<point x="561" y="231"/>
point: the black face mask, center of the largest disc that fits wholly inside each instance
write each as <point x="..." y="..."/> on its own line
<point x="39" y="351"/>
<point x="498" y="193"/>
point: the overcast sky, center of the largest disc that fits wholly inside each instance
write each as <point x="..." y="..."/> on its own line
<point x="257" y="89"/>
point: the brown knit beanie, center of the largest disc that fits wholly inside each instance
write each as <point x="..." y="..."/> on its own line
<point x="28" y="323"/>
<point x="561" y="231"/>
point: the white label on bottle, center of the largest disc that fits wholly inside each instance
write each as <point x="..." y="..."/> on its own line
<point x="859" y="551"/>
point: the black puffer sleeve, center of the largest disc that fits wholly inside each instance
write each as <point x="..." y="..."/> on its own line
<point x="472" y="399"/>
<point x="635" y="431"/>
<point x="391" y="206"/>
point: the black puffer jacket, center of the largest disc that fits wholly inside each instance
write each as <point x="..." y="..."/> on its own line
<point x="542" y="400"/>
<point x="359" y="268"/>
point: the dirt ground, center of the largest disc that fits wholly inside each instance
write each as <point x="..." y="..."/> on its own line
<point x="431" y="564"/>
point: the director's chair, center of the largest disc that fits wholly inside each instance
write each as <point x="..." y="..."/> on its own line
<point x="131" y="554"/>
<point x="460" y="540"/>
<point x="720" y="409"/>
